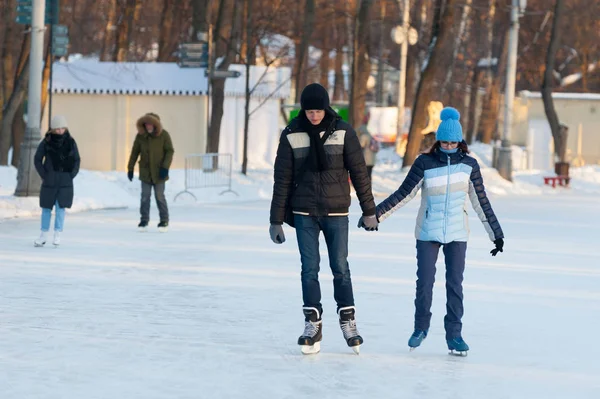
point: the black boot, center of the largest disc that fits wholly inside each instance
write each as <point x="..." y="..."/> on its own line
<point x="310" y="340"/>
<point x="348" y="326"/>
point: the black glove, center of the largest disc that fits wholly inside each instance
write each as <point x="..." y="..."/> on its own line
<point x="163" y="173"/>
<point x="499" y="247"/>
<point x="276" y="232"/>
<point x="130" y="175"/>
<point x="369" y="223"/>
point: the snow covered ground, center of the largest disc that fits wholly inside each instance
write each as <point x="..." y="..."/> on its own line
<point x="213" y="308"/>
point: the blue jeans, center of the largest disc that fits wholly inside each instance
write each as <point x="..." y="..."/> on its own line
<point x="335" y="230"/>
<point x="454" y="254"/>
<point x="59" y="219"/>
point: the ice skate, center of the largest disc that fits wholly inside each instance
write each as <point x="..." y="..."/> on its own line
<point x="41" y="240"/>
<point x="143" y="226"/>
<point x="348" y="326"/>
<point x="56" y="241"/>
<point x="457" y="346"/>
<point x="417" y="337"/>
<point x="310" y="340"/>
<point x="163" y="227"/>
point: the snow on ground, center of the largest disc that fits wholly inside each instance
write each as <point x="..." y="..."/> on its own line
<point x="213" y="308"/>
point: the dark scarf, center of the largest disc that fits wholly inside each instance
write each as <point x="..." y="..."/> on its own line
<point x="59" y="147"/>
<point x="317" y="155"/>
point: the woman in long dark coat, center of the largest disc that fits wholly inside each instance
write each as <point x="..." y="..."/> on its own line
<point x="57" y="162"/>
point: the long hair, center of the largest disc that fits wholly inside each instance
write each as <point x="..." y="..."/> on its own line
<point x="461" y="146"/>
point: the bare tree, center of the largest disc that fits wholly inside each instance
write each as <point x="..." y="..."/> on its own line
<point x="109" y="38"/>
<point x="10" y="110"/>
<point x="228" y="55"/>
<point x="442" y="39"/>
<point x="166" y="28"/>
<point x="127" y="21"/>
<point x="302" y="48"/>
<point x="361" y="65"/>
<point x="559" y="135"/>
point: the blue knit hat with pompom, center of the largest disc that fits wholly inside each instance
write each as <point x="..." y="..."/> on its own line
<point x="450" y="128"/>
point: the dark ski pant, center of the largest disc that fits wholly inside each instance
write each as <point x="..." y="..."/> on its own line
<point x="161" y="201"/>
<point x="427" y="254"/>
<point x="335" y="231"/>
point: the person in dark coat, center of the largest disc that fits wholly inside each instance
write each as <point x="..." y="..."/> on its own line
<point x="448" y="178"/>
<point x="317" y="151"/>
<point x="57" y="162"/>
<point x="154" y="148"/>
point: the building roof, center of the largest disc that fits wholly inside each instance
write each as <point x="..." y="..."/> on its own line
<point x="88" y="76"/>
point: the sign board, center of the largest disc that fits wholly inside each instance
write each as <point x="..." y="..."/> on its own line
<point x="217" y="74"/>
<point x="193" y="55"/>
<point x="25" y="11"/>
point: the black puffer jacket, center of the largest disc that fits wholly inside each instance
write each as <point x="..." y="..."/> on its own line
<point x="57" y="162"/>
<point x="319" y="192"/>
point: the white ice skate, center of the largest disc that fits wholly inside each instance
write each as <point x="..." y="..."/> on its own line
<point x="56" y="241"/>
<point x="41" y="240"/>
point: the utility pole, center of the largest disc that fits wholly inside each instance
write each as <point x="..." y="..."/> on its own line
<point x="504" y="160"/>
<point x="402" y="77"/>
<point x="28" y="181"/>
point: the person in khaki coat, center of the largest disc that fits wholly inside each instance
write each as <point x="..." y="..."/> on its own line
<point x="154" y="147"/>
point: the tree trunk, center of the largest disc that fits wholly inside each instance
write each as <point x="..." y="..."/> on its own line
<point x="460" y="38"/>
<point x="166" y="27"/>
<point x="250" y="46"/>
<point x="559" y="135"/>
<point x="18" y="133"/>
<point x="473" y="104"/>
<point x="324" y="62"/>
<point x="491" y="106"/>
<point x="7" y="71"/>
<point x="441" y="41"/>
<point x="200" y="19"/>
<point x="361" y="65"/>
<point x="46" y="80"/>
<point x="125" y="28"/>
<point x="338" y="85"/>
<point x="302" y="48"/>
<point x="9" y="112"/>
<point x="109" y="32"/>
<point x="218" y="85"/>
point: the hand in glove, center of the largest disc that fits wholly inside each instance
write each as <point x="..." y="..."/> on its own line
<point x="276" y="232"/>
<point x="163" y="173"/>
<point x="369" y="223"/>
<point x="499" y="247"/>
<point x="130" y="175"/>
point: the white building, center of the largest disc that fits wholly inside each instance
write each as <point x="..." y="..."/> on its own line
<point x="103" y="100"/>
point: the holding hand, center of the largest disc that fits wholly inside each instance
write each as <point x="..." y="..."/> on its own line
<point x="499" y="247"/>
<point x="130" y="175"/>
<point x="369" y="223"/>
<point x="276" y="232"/>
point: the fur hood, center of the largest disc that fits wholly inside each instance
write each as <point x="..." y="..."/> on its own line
<point x="152" y="119"/>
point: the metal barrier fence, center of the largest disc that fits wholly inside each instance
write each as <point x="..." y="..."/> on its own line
<point x="207" y="170"/>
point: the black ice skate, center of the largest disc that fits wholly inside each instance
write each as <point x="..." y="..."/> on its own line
<point x="143" y="226"/>
<point x="310" y="340"/>
<point x="348" y="326"/>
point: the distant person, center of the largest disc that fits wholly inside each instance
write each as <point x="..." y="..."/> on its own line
<point x="448" y="177"/>
<point x="368" y="143"/>
<point x="57" y="162"/>
<point x="316" y="152"/>
<point x="154" y="148"/>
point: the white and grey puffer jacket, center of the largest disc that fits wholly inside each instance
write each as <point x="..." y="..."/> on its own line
<point x="447" y="182"/>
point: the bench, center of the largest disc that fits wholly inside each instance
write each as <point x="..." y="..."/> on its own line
<point x="563" y="181"/>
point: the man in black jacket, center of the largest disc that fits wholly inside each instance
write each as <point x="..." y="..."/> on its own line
<point x="317" y="151"/>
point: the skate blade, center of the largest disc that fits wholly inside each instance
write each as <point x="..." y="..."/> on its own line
<point x="311" y="349"/>
<point x="457" y="353"/>
<point x="356" y="349"/>
<point x="163" y="230"/>
<point x="412" y="348"/>
<point x="38" y="245"/>
<point x="142" y="229"/>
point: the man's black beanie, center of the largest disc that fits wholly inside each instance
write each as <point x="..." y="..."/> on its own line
<point x="314" y="96"/>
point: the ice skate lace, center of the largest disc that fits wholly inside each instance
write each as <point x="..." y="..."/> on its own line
<point x="349" y="328"/>
<point x="310" y="329"/>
